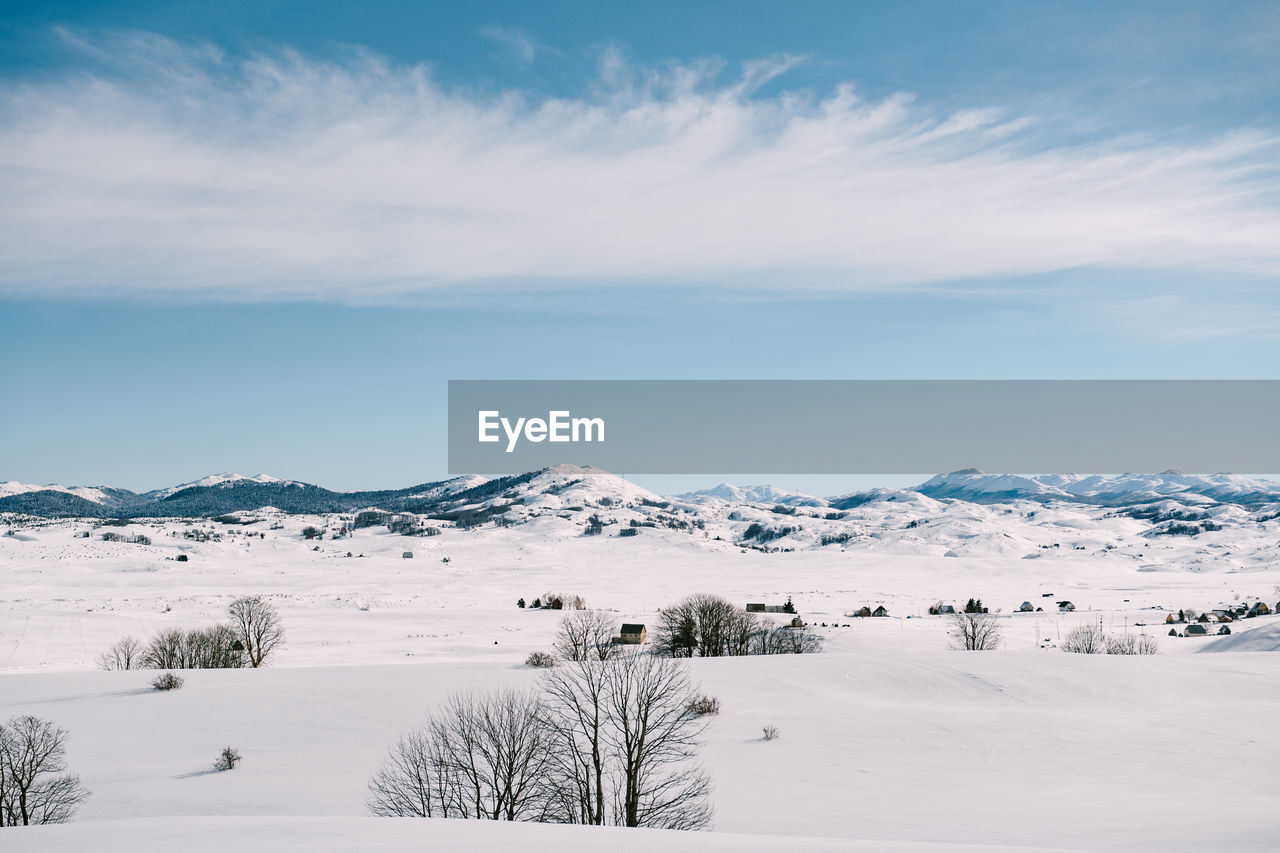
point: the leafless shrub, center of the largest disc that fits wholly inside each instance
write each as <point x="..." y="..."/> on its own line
<point x="786" y="640"/>
<point x="1146" y="645"/>
<point x="586" y="635"/>
<point x="541" y="660"/>
<point x="1130" y="644"/>
<point x="1085" y="640"/>
<point x="770" y="733"/>
<point x="166" y="681"/>
<point x="34" y="785"/>
<point x="563" y="601"/>
<point x="975" y="632"/>
<point x="126" y="653"/>
<point x="227" y="759"/>
<point x="704" y="705"/>
<point x="257" y="626"/>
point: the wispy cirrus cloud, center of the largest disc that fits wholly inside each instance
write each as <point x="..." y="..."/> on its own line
<point x="517" y="40"/>
<point x="179" y="170"/>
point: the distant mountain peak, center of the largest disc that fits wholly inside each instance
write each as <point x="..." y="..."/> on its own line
<point x="224" y="479"/>
<point x="748" y="494"/>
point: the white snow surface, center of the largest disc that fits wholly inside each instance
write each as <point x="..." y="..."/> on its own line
<point x="393" y="835"/>
<point x="889" y="740"/>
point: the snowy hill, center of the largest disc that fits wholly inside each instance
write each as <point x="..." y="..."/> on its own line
<point x="84" y="493"/>
<point x="1121" y="490"/>
<point x="215" y="480"/>
<point x="752" y="495"/>
<point x="962" y="513"/>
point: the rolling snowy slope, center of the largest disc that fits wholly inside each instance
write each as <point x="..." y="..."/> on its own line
<point x="876" y="745"/>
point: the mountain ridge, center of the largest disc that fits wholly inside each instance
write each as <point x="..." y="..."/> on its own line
<point x="219" y="494"/>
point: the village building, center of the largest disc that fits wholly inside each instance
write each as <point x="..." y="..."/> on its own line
<point x="632" y="634"/>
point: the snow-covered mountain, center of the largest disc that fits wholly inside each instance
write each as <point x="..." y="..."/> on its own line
<point x="569" y="488"/>
<point x="1102" y="490"/>
<point x="752" y="495"/>
<point x="224" y="480"/>
<point x="87" y="493"/>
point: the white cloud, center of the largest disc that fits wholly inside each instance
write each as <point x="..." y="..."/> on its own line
<point x="517" y="40"/>
<point x="285" y="177"/>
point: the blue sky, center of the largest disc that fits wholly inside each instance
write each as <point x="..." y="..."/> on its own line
<point x="261" y="237"/>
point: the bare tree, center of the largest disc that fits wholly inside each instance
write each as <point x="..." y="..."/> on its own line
<point x="481" y="756"/>
<point x="1085" y="640"/>
<point x="574" y="705"/>
<point x="214" y="647"/>
<point x="786" y="640"/>
<point x="126" y="653"/>
<point x="606" y="742"/>
<point x="34" y="787"/>
<point x="408" y="783"/>
<point x="167" y="650"/>
<point x="1132" y="644"/>
<point x="704" y="626"/>
<point x="975" y="632"/>
<point x="586" y="635"/>
<point x="257" y="625"/>
<point x="655" y="737"/>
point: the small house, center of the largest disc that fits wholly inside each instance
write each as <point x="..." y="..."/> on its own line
<point x="1224" y="629"/>
<point x="1196" y="630"/>
<point x="1204" y="617"/>
<point x="863" y="612"/>
<point x="1026" y="607"/>
<point x="1259" y="609"/>
<point x="632" y="634"/>
<point x="880" y="611"/>
<point x="1223" y="615"/>
<point x="946" y="610"/>
<point x="1173" y="632"/>
<point x="797" y="622"/>
<point x="755" y="608"/>
<point x="1065" y="607"/>
<point x="407" y="555"/>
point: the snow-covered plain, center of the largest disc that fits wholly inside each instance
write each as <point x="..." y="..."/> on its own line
<point x="887" y="736"/>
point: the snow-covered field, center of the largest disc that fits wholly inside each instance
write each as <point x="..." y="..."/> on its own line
<point x="888" y="736"/>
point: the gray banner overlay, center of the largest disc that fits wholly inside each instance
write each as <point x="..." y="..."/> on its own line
<point x="866" y="426"/>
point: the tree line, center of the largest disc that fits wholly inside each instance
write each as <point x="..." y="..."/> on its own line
<point x="251" y="635"/>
